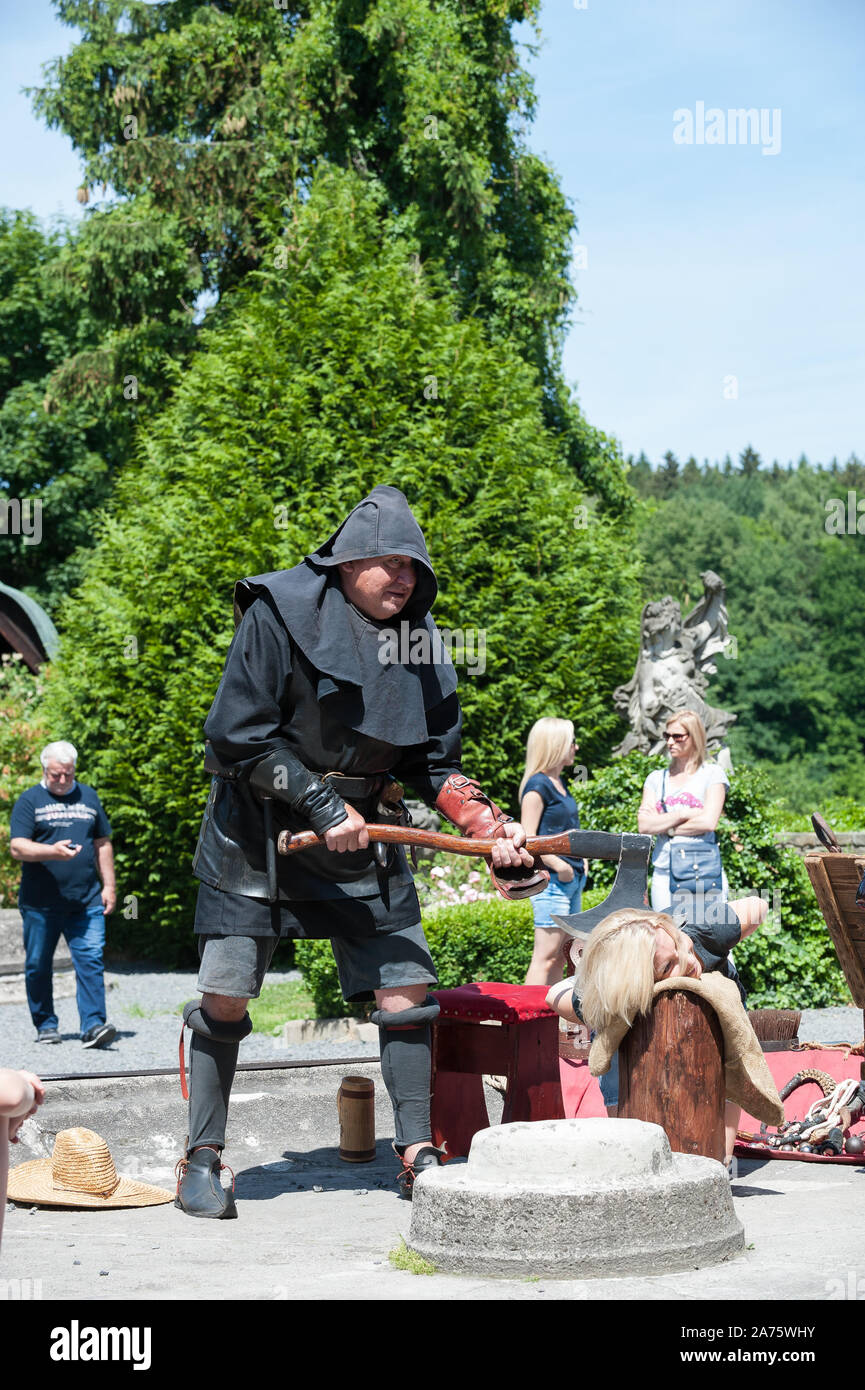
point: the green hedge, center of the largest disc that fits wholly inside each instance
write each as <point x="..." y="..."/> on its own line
<point x="475" y="941"/>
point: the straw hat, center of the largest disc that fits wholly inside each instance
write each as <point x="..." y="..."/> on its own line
<point x="80" y="1173"/>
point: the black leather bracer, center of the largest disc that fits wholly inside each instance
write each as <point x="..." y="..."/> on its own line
<point x="283" y="776"/>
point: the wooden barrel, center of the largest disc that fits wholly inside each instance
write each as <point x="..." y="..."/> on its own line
<point x="671" y="1073"/>
<point x="355" y="1105"/>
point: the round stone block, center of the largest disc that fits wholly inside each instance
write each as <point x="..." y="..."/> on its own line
<point x="574" y="1199"/>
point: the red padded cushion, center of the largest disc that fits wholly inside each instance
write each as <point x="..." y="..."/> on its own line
<point x="491" y="1000"/>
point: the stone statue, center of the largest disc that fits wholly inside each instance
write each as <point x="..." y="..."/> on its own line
<point x="671" y="674"/>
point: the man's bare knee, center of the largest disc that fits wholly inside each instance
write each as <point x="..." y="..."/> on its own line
<point x="224" y="1007"/>
<point x="400" y="997"/>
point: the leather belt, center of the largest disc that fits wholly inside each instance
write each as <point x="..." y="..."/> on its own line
<point x="355" y="787"/>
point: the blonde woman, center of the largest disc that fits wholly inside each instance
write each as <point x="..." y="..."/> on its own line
<point x="630" y="951"/>
<point x="681" y="806"/>
<point x="547" y="808"/>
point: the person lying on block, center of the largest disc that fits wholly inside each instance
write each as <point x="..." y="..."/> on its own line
<point x="629" y="952"/>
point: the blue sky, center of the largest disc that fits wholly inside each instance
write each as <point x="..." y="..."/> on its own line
<point x="722" y="301"/>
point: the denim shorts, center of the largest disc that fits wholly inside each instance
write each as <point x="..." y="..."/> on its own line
<point x="236" y="965"/>
<point x="562" y="898"/>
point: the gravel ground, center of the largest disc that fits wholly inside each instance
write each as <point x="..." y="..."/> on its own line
<point x="145" y="1005"/>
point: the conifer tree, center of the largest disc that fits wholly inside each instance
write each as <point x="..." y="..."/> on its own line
<point x="207" y="123"/>
<point x="341" y="367"/>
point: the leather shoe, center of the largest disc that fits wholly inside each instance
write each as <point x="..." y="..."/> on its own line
<point x="427" y="1157"/>
<point x="199" y="1191"/>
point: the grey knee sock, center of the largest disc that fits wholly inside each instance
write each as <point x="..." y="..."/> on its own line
<point x="211" y="1073"/>
<point x="405" y="1069"/>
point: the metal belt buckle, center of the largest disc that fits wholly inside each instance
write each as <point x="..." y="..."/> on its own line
<point x="392" y="792"/>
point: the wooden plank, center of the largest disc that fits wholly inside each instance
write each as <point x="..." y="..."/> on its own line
<point x="846" y="900"/>
<point x="671" y="1073"/>
<point x="844" y="876"/>
<point x="850" y="951"/>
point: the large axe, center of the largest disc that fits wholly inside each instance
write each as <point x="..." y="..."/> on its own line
<point x="631" y="852"/>
<point x="630" y="886"/>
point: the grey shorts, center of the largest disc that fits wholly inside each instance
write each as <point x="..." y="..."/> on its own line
<point x="236" y="965"/>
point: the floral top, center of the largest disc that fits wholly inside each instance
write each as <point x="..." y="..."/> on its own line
<point x="692" y="794"/>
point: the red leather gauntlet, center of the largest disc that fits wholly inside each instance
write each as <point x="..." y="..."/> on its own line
<point x="471" y="810"/>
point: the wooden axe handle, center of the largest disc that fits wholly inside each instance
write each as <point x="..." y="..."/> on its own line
<point x="427" y="839"/>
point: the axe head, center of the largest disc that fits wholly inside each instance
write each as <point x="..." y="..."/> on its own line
<point x="630" y="888"/>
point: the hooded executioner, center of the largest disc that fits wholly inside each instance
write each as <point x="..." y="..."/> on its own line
<point x="315" y="726"/>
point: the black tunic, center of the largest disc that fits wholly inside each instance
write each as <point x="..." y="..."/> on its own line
<point x="274" y="697"/>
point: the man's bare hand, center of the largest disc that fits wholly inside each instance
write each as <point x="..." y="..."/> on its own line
<point x="350" y="834"/>
<point x="64" y="849"/>
<point x="507" y="851"/>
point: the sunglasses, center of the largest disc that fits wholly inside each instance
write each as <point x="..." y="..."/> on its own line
<point x="675" y="737"/>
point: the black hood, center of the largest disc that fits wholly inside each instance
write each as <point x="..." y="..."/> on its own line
<point x="383" y="524"/>
<point x="386" y="701"/>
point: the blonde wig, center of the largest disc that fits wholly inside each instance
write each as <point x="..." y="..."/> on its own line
<point x="548" y="746"/>
<point x="615" y="977"/>
<point x="696" y="728"/>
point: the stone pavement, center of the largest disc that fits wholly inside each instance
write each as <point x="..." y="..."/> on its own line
<point x="314" y="1228"/>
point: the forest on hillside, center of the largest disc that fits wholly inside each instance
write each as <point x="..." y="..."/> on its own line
<point x="788" y="543"/>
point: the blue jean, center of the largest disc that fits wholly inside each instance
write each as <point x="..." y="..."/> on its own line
<point x="85" y="936"/>
<point x="609" y="1082"/>
<point x="562" y="898"/>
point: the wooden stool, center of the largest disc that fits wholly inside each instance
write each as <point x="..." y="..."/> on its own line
<point x="671" y="1073"/>
<point x="520" y="1041"/>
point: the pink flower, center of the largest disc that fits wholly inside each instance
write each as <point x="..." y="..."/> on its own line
<point x="474" y="876"/>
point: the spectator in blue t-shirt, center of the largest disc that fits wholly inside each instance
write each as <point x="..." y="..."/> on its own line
<point x="61" y="835"/>
<point x="547" y="808"/>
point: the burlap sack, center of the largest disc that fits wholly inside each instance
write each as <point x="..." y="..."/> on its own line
<point x="747" y="1076"/>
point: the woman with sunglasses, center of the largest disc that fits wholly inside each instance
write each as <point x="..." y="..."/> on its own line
<point x="683" y="802"/>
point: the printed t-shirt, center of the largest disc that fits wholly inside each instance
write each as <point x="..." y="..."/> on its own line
<point x="60" y="885"/>
<point x="692" y="794"/>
